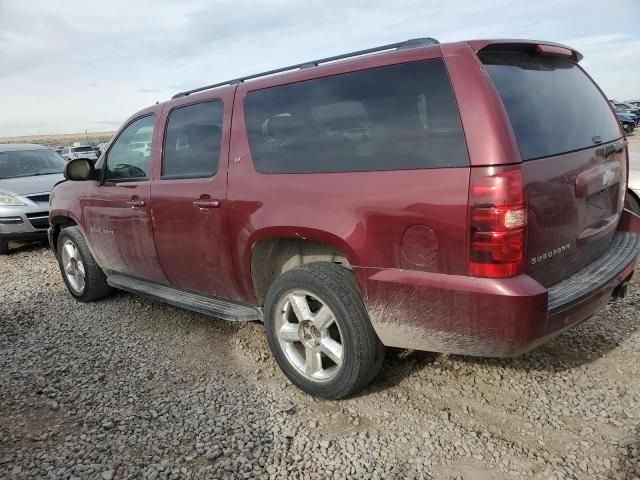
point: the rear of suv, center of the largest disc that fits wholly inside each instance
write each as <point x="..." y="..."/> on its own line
<point x="464" y="198"/>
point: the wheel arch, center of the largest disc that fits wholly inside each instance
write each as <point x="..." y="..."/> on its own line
<point x="635" y="196"/>
<point x="276" y="252"/>
<point x="58" y="223"/>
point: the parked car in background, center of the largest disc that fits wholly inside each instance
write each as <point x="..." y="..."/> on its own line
<point x="626" y="109"/>
<point x="634" y="109"/>
<point x="101" y="147"/>
<point x="633" y="194"/>
<point x="85" y="151"/>
<point x="403" y="196"/>
<point x="27" y="175"/>
<point x="144" y="148"/>
<point x="628" y="122"/>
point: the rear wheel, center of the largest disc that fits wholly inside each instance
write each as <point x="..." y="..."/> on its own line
<point x="82" y="275"/>
<point x="4" y="247"/>
<point x="319" y="331"/>
<point x="632" y="203"/>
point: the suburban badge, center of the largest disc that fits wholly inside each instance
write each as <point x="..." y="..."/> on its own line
<point x="550" y="254"/>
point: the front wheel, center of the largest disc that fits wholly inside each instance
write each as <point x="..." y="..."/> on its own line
<point x="85" y="280"/>
<point x="4" y="247"/>
<point x="319" y="331"/>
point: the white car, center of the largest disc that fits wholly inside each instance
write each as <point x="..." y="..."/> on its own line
<point x="85" y="151"/>
<point x="633" y="193"/>
<point x="142" y="147"/>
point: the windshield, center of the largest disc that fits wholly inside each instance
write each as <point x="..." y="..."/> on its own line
<point x="27" y="163"/>
<point x="82" y="149"/>
<point x="553" y="106"/>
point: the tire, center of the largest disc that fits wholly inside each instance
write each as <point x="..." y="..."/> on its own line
<point x="4" y="247"/>
<point x="303" y="340"/>
<point x="632" y="203"/>
<point x="94" y="285"/>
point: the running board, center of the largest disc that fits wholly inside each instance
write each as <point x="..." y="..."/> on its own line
<point x="213" y="306"/>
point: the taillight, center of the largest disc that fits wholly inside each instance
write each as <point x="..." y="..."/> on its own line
<point x="497" y="221"/>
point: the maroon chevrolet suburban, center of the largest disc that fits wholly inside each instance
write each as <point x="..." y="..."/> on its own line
<point x="463" y="197"/>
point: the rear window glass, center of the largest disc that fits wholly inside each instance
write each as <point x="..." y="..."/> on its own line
<point x="552" y="105"/>
<point x="82" y="149"/>
<point x="390" y="118"/>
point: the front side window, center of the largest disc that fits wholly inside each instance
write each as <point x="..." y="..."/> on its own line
<point x="127" y="162"/>
<point x="388" y="118"/>
<point x="193" y="141"/>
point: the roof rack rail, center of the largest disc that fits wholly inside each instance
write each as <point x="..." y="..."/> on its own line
<point x="412" y="43"/>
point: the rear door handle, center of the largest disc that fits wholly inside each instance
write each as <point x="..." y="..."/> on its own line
<point x="206" y="203"/>
<point x="133" y="203"/>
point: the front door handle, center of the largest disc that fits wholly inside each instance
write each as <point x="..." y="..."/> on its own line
<point x="206" y="203"/>
<point x="136" y="203"/>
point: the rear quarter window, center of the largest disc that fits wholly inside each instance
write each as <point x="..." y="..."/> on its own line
<point x="389" y="118"/>
<point x="553" y="106"/>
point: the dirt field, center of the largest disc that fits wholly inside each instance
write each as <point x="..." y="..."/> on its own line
<point x="634" y="142"/>
<point x="68" y="139"/>
<point x="63" y="139"/>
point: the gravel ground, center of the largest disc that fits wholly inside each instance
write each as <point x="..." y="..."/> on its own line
<point x="130" y="388"/>
<point x="634" y="141"/>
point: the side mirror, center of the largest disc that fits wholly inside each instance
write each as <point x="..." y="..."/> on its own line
<point x="79" y="169"/>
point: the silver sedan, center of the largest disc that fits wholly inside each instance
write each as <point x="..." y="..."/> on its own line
<point x="27" y="175"/>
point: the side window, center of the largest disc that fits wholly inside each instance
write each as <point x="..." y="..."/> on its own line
<point x="388" y="118"/>
<point x="128" y="158"/>
<point x="193" y="141"/>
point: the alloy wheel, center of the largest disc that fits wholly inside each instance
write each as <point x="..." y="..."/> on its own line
<point x="73" y="266"/>
<point x="309" y="335"/>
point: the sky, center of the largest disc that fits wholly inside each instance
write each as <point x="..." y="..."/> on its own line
<point x="68" y="66"/>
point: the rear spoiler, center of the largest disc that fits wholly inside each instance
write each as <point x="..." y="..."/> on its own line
<point x="534" y="47"/>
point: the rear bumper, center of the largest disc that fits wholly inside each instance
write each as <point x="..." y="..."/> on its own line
<point x="489" y="317"/>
